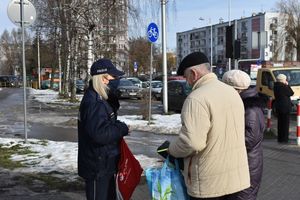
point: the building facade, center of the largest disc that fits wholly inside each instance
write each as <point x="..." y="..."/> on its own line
<point x="110" y="37"/>
<point x="262" y="38"/>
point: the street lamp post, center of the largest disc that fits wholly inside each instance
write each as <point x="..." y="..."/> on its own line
<point x="38" y="59"/>
<point x="211" y="45"/>
<point x="229" y="23"/>
<point x="164" y="53"/>
<point x="211" y="39"/>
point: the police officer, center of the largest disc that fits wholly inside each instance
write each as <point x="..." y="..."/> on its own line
<point x="99" y="134"/>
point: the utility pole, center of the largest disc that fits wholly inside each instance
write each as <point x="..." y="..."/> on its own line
<point x="211" y="45"/>
<point x="164" y="53"/>
<point x="211" y="41"/>
<point x="229" y="21"/>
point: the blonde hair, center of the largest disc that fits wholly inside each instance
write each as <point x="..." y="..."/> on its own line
<point x="99" y="86"/>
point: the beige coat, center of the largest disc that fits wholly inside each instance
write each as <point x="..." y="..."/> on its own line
<point x="211" y="140"/>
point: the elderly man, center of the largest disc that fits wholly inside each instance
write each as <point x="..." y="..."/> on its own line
<point x="212" y="136"/>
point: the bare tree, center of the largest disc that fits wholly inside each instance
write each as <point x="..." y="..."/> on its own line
<point x="290" y="10"/>
<point x="139" y="51"/>
<point x="11" y="51"/>
<point x="66" y="27"/>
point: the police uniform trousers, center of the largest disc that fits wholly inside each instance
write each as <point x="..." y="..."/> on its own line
<point x="103" y="188"/>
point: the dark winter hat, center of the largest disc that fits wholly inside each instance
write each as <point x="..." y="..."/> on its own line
<point x="105" y="66"/>
<point x="190" y="60"/>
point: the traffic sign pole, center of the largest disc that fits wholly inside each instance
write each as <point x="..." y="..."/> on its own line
<point x="152" y="33"/>
<point x="24" y="68"/>
<point x="150" y="85"/>
<point x="135" y="67"/>
<point x="22" y="16"/>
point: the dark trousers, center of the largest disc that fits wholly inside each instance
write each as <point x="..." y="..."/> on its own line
<point x="226" y="197"/>
<point x="283" y="120"/>
<point x="103" y="188"/>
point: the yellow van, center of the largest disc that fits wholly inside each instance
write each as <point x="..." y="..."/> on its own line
<point x="267" y="76"/>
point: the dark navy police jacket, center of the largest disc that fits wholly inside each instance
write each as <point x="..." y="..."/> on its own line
<point x="99" y="134"/>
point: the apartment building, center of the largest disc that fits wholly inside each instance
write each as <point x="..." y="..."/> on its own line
<point x="262" y="38"/>
<point x="111" y="35"/>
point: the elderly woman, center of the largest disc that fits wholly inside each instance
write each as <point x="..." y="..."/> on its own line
<point x="99" y="134"/>
<point x="255" y="125"/>
<point x="282" y="93"/>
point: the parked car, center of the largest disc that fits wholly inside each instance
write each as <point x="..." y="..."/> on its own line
<point x="9" y="81"/>
<point x="156" y="89"/>
<point x="127" y="89"/>
<point x="135" y="81"/>
<point x="80" y="86"/>
<point x="45" y="84"/>
<point x="177" y="93"/>
<point x="170" y="78"/>
<point x="145" y="84"/>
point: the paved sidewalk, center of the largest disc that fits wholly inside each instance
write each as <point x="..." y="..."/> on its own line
<point x="280" y="181"/>
<point x="281" y="175"/>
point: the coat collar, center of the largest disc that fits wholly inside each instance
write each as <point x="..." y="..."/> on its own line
<point x="204" y="80"/>
<point x="91" y="92"/>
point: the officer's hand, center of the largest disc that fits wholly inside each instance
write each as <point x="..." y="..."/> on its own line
<point x="129" y="129"/>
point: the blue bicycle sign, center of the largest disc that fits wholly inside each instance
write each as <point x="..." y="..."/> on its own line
<point x="152" y="32"/>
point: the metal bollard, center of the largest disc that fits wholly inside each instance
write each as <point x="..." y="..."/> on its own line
<point x="269" y="114"/>
<point x="298" y="122"/>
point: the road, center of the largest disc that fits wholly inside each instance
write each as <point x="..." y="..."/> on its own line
<point x="38" y="115"/>
<point x="42" y="126"/>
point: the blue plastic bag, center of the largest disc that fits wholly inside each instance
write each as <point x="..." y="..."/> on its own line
<point x="166" y="183"/>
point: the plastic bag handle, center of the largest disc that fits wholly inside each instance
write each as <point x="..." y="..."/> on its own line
<point x="167" y="164"/>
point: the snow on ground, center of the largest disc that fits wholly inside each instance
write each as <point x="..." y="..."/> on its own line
<point x="160" y="124"/>
<point x="49" y="96"/>
<point x="51" y="156"/>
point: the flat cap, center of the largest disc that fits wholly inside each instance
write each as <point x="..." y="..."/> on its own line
<point x="237" y="79"/>
<point x="195" y="58"/>
<point x="105" y="66"/>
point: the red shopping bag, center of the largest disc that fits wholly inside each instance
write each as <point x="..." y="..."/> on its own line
<point x="129" y="173"/>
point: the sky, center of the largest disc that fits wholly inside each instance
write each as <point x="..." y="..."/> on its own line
<point x="183" y="15"/>
<point x="62" y="156"/>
